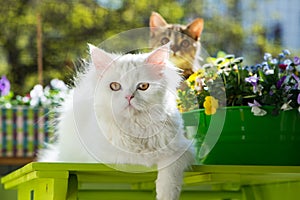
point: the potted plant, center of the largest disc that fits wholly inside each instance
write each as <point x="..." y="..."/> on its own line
<point x="244" y="114"/>
<point x="25" y="121"/>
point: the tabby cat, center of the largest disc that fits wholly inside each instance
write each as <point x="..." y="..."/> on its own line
<point x="185" y="40"/>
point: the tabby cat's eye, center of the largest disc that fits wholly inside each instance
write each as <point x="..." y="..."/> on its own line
<point x="185" y="43"/>
<point x="115" y="86"/>
<point x="143" y="86"/>
<point x="164" y="40"/>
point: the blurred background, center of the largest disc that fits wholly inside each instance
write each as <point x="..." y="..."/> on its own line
<point x="44" y="39"/>
<point x="51" y="35"/>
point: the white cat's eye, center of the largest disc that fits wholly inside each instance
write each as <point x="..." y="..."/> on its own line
<point x="185" y="43"/>
<point x="115" y="86"/>
<point x="143" y="86"/>
<point x="164" y="40"/>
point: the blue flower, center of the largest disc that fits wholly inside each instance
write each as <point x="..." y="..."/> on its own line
<point x="267" y="56"/>
<point x="4" y="86"/>
<point x="286" y="52"/>
<point x="266" y="69"/>
<point x="287" y="62"/>
<point x="281" y="55"/>
<point x="274" y="61"/>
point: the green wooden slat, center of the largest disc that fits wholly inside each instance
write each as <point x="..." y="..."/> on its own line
<point x="92" y="180"/>
<point x="114" y="194"/>
<point x="72" y="187"/>
<point x="102" y="168"/>
<point x="35" y="175"/>
<point x="78" y="167"/>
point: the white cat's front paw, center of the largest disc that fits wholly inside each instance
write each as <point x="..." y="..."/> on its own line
<point x="170" y="195"/>
<point x="167" y="190"/>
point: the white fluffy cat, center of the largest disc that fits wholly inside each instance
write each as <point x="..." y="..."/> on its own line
<point x="123" y="111"/>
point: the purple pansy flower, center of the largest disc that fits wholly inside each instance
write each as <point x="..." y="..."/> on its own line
<point x="4" y="86"/>
<point x="297" y="79"/>
<point x="296" y="60"/>
<point x="280" y="82"/>
<point x="253" y="80"/>
<point x="255" y="103"/>
<point x="287" y="88"/>
<point x="298" y="99"/>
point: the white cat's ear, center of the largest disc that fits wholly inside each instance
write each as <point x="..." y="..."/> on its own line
<point x="159" y="55"/>
<point x="158" y="58"/>
<point x="100" y="58"/>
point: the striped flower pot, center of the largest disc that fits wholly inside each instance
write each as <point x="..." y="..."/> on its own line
<point x="23" y="130"/>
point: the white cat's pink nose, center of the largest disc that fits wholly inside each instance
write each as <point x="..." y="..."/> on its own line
<point x="129" y="97"/>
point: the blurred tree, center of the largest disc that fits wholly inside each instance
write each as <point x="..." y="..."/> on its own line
<point x="17" y="33"/>
<point x="67" y="27"/>
<point x="224" y="30"/>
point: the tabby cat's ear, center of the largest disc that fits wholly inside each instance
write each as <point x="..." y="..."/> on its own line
<point x="156" y="20"/>
<point x="158" y="57"/>
<point x="195" y="28"/>
<point x="100" y="58"/>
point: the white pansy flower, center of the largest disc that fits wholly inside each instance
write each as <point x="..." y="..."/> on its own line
<point x="286" y="106"/>
<point x="257" y="111"/>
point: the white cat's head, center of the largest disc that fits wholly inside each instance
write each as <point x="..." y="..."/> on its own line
<point x="132" y="84"/>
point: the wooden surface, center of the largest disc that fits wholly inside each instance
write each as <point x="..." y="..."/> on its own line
<point x="15" y="160"/>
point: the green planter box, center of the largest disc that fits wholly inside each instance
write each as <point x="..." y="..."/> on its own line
<point x="235" y="136"/>
<point x="23" y="130"/>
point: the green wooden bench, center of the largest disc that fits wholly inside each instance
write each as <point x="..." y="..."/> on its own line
<point x="45" y="181"/>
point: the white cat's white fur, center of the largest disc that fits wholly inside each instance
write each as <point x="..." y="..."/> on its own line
<point x="98" y="124"/>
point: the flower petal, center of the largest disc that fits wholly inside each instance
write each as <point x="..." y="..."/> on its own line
<point x="4" y="86"/>
<point x="211" y="105"/>
<point x="255" y="103"/>
<point x="267" y="56"/>
<point x="258" y="111"/>
<point x="286" y="106"/>
<point x="296" y="60"/>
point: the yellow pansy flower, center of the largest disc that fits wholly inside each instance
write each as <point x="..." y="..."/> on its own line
<point x="192" y="78"/>
<point x="211" y="105"/>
